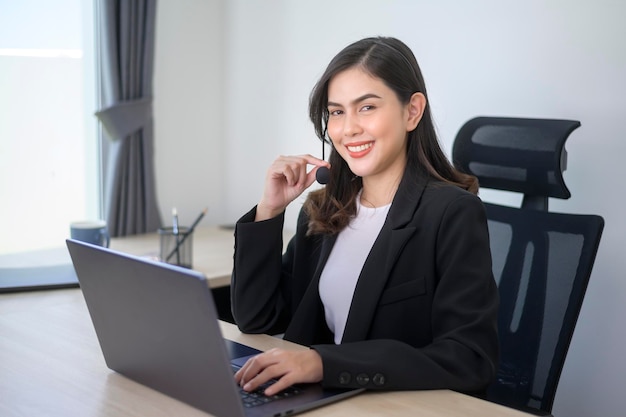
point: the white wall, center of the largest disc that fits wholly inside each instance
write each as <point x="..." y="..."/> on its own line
<point x="188" y="109"/>
<point x="552" y="59"/>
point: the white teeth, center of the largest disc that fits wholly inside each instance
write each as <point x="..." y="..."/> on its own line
<point x="360" y="147"/>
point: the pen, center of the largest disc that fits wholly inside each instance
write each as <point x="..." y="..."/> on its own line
<point x="185" y="235"/>
<point x="175" y="232"/>
<point x="174" y="221"/>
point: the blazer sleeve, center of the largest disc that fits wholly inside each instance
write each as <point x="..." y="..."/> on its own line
<point x="258" y="301"/>
<point x="463" y="354"/>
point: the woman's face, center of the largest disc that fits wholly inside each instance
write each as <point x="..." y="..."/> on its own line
<point x="368" y="125"/>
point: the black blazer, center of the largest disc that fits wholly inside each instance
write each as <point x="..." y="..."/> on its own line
<point x="423" y="314"/>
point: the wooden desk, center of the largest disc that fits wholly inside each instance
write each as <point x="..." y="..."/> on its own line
<point x="212" y="252"/>
<point x="51" y="365"/>
<point x="213" y="249"/>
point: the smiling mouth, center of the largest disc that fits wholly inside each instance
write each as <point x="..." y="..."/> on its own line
<point x="359" y="148"/>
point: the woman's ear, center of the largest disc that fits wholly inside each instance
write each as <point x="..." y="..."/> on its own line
<point x="415" y="108"/>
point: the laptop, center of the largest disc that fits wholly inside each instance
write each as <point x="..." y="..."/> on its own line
<point x="157" y="325"/>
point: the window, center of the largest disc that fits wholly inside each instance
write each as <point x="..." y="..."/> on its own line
<point x="49" y="147"/>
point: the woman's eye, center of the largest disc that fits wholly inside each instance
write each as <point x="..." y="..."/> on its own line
<point x="335" y="112"/>
<point x="366" y="108"/>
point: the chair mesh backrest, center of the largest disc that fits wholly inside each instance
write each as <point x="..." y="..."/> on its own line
<point x="541" y="260"/>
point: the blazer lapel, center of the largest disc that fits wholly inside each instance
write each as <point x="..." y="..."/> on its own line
<point x="310" y="312"/>
<point x="382" y="257"/>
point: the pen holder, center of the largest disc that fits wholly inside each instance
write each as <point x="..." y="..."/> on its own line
<point x="175" y="248"/>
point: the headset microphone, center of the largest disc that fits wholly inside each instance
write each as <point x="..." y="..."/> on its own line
<point x="322" y="175"/>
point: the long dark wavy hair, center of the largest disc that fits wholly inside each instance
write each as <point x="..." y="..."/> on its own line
<point x="331" y="208"/>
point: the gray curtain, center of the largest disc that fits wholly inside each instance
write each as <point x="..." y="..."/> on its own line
<point x="126" y="52"/>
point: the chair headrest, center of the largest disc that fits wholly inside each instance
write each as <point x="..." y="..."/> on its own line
<point x="515" y="154"/>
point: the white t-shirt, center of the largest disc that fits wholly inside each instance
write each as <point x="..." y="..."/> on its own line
<point x="344" y="265"/>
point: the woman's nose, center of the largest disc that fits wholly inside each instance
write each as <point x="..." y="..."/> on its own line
<point x="351" y="125"/>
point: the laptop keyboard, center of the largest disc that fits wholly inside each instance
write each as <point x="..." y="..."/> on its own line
<point x="256" y="397"/>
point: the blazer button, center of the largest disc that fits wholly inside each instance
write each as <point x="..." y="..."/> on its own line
<point x="379" y="379"/>
<point x="344" y="378"/>
<point x="362" y="379"/>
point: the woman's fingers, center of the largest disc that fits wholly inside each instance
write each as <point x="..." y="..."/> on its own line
<point x="294" y="172"/>
<point x="294" y="168"/>
<point x="284" y="367"/>
<point x="286" y="180"/>
<point x="255" y="371"/>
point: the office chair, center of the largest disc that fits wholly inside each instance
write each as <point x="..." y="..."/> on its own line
<point x="542" y="260"/>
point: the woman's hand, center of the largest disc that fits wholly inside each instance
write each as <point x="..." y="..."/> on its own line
<point x="287" y="367"/>
<point x="286" y="179"/>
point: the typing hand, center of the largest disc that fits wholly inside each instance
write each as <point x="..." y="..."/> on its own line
<point x="285" y="366"/>
<point x="286" y="179"/>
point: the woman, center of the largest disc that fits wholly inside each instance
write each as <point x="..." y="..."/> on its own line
<point x="388" y="277"/>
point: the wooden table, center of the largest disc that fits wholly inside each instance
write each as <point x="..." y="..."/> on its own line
<point x="212" y="250"/>
<point x="51" y="365"/>
<point x="212" y="254"/>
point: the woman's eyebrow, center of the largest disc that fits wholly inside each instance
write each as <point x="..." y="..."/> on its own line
<point x="355" y="101"/>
